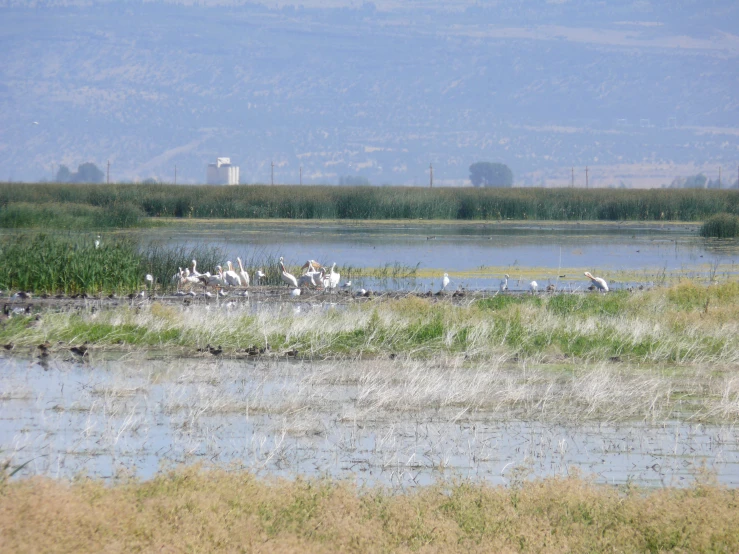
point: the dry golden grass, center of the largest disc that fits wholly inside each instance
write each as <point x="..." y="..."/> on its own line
<point x="194" y="510"/>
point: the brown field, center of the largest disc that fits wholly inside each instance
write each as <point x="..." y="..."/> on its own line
<point x="197" y="510"/>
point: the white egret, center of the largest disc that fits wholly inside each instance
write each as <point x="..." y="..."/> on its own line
<point x="598" y="282"/>
<point x="243" y="274"/>
<point x="533" y="287"/>
<point x="287" y="278"/>
<point x="445" y="281"/>
<point x="504" y="283"/>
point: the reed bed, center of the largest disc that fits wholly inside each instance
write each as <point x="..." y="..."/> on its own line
<point x="91" y="264"/>
<point x="722" y="226"/>
<point x="687" y="323"/>
<point x="329" y="202"/>
<point x="217" y="510"/>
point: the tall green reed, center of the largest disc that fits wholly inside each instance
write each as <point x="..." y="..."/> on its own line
<point x="329" y="202"/>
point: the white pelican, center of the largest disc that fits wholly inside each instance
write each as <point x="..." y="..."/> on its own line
<point x="333" y="278"/>
<point x="178" y="277"/>
<point x="445" y="281"/>
<point x="287" y="278"/>
<point x="295" y="292"/>
<point x="231" y="278"/>
<point x="311" y="265"/>
<point x="243" y="274"/>
<point x="307" y="279"/>
<point x="311" y="277"/>
<point x="323" y="279"/>
<point x="598" y="282"/>
<point x="189" y="278"/>
<point x="258" y="276"/>
<point x="213" y="280"/>
<point x="504" y="284"/>
<point x="533" y="287"/>
<point x="194" y="271"/>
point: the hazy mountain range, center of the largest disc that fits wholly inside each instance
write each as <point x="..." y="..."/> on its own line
<point x="640" y="91"/>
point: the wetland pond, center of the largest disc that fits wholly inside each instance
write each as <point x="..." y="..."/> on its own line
<point x="476" y="255"/>
<point x="336" y="419"/>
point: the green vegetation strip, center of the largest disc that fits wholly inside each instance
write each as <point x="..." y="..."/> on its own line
<point x="683" y="324"/>
<point x="29" y="205"/>
<point x="195" y="510"/>
<point x="75" y="264"/>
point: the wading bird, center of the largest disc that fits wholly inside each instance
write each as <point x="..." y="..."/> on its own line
<point x="312" y="265"/>
<point x="230" y="276"/>
<point x="287" y="278"/>
<point x="533" y="287"/>
<point x="504" y="284"/>
<point x="598" y="283"/>
<point x="258" y="276"/>
<point x="445" y="281"/>
<point x="334" y="277"/>
<point x="243" y="274"/>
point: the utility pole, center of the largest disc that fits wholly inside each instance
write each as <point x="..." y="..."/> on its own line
<point x="573" y="177"/>
<point x="175" y="174"/>
<point x="586" y="177"/>
<point x="107" y="179"/>
<point x="301" y="174"/>
<point x="431" y="176"/>
<point x="272" y="178"/>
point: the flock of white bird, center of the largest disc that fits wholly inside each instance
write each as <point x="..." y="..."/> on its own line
<point x="314" y="275"/>
<point x="598" y="283"/>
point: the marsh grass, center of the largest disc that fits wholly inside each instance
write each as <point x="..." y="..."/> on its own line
<point x="672" y="325"/>
<point x="71" y="263"/>
<point x="329" y="202"/>
<point x="53" y="215"/>
<point x="722" y="226"/>
<point x="217" y="510"/>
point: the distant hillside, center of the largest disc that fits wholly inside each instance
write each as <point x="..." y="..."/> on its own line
<point x="640" y="93"/>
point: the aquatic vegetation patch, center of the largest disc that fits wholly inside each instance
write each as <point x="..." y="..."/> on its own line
<point x="645" y="325"/>
<point x="722" y="226"/>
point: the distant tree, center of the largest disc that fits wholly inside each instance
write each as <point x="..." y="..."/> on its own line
<point x="486" y="174"/>
<point x="150" y="181"/>
<point x="354" y="181"/>
<point x="63" y="175"/>
<point x="89" y="173"/>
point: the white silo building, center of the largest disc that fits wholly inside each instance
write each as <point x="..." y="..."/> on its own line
<point x="222" y="173"/>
